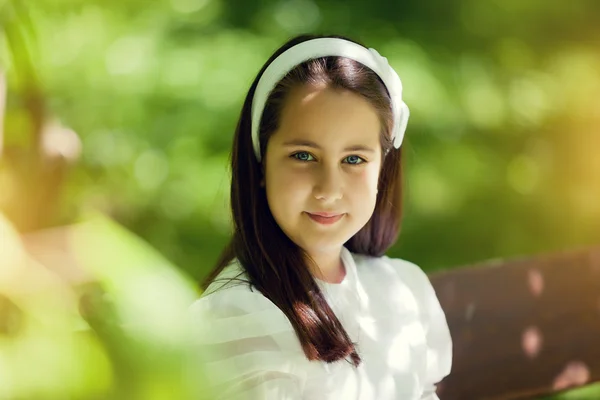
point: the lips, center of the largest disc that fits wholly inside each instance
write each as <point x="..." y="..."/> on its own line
<point x="325" y="218"/>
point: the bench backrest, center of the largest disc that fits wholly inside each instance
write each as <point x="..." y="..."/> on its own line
<point x="522" y="328"/>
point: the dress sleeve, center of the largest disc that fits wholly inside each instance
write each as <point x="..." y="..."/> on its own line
<point x="243" y="347"/>
<point x="439" y="341"/>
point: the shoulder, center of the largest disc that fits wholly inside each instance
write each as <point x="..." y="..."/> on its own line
<point x="392" y="265"/>
<point x="231" y="309"/>
<point x="243" y="343"/>
<point x="411" y="274"/>
<point x="404" y="285"/>
<point x="395" y="271"/>
<point x="231" y="292"/>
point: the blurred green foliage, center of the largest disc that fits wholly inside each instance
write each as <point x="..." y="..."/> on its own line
<point x="121" y="332"/>
<point x="500" y="152"/>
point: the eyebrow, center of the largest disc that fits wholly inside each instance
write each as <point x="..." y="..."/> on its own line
<point x="308" y="143"/>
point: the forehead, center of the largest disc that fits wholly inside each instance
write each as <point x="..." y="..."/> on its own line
<point x="328" y="117"/>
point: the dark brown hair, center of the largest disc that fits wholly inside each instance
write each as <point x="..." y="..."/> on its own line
<point x="275" y="265"/>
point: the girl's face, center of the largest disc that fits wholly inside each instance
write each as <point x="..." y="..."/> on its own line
<point x="322" y="167"/>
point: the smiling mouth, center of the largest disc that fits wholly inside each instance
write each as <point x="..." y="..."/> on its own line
<point x="325" y="218"/>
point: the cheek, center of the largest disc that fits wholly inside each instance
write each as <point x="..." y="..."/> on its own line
<point x="286" y="187"/>
<point x="367" y="179"/>
<point x="363" y="192"/>
<point x="284" y="179"/>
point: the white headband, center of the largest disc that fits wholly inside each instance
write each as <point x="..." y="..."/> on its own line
<point x="324" y="47"/>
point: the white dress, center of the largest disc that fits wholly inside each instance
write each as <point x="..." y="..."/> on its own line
<point x="249" y="349"/>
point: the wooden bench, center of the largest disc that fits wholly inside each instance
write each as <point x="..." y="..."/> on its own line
<point x="522" y="328"/>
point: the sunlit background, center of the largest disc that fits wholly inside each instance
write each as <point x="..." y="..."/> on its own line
<point x="119" y="118"/>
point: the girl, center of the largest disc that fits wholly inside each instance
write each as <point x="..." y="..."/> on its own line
<point x="303" y="303"/>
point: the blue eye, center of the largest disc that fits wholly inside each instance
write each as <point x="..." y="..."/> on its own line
<point x="354" y="160"/>
<point x="303" y="156"/>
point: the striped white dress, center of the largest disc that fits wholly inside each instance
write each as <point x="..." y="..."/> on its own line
<point x="249" y="350"/>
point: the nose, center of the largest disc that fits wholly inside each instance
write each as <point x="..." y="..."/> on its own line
<point x="328" y="186"/>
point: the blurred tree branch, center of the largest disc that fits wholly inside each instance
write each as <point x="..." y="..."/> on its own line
<point x="38" y="170"/>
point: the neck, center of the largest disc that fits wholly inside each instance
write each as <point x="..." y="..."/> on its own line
<point x="329" y="266"/>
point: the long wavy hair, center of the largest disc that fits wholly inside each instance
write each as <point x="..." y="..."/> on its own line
<point x="273" y="263"/>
